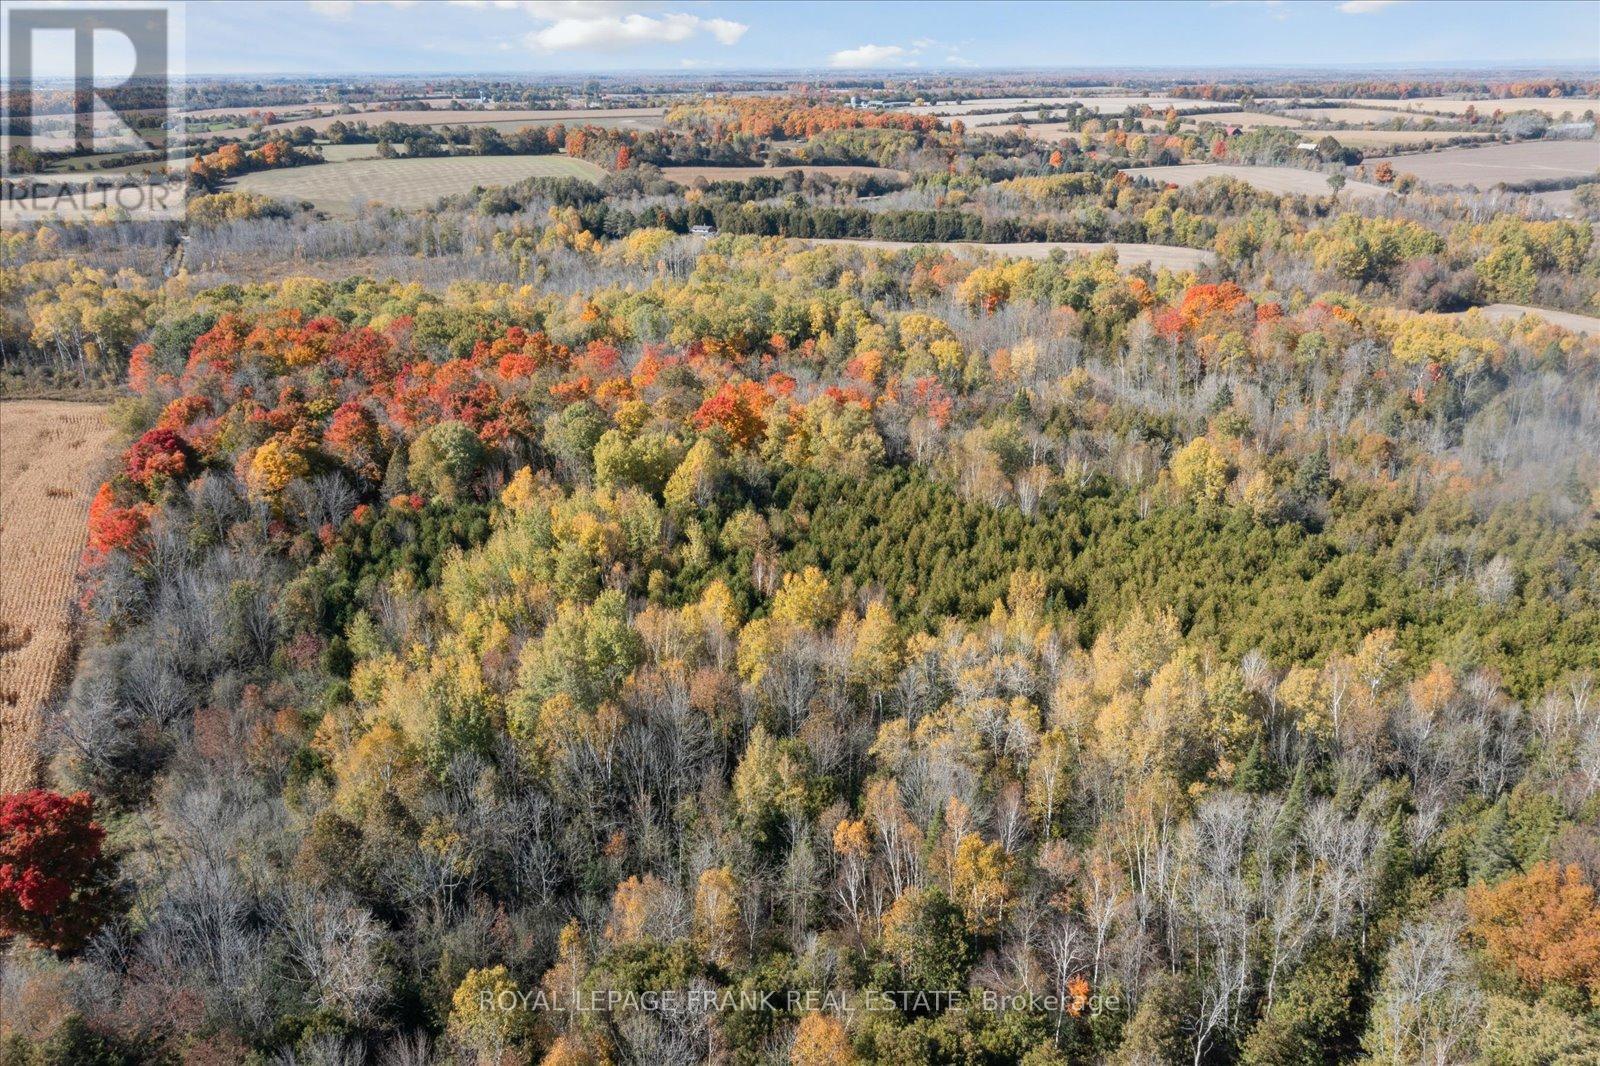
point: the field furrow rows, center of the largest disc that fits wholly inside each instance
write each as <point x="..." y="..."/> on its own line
<point x="49" y="456"/>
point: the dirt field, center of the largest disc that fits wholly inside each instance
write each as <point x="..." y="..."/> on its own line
<point x="345" y="153"/>
<point x="1278" y="180"/>
<point x="285" y="112"/>
<point x="1247" y="119"/>
<point x="1564" y="319"/>
<point x="1392" y="138"/>
<point x="1561" y="201"/>
<point x="686" y="175"/>
<point x="49" y="456"/>
<point x="1351" y="115"/>
<point x="1052" y="132"/>
<point x="1156" y="256"/>
<point x="1483" y="167"/>
<point x="1115" y="105"/>
<point x="1554" y="108"/>
<point x="340" y="188"/>
<point x="978" y="122"/>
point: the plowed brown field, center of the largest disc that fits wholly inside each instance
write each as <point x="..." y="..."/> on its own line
<point x="49" y="454"/>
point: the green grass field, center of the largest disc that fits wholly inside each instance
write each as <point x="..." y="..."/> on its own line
<point x="340" y="188"/>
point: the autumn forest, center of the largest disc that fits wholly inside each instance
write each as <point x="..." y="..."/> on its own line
<point x="643" y="617"/>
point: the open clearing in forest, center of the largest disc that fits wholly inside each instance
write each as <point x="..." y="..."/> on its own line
<point x="1565" y="319"/>
<point x="1561" y="201"/>
<point x="1483" y="167"/>
<point x="687" y="175"/>
<point x="50" y="454"/>
<point x="342" y="188"/>
<point x="1156" y="256"/>
<point x="1280" y="181"/>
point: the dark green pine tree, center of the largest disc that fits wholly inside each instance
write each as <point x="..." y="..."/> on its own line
<point x="1395" y="862"/>
<point x="1293" y="813"/>
<point x="1256" y="773"/>
<point x="1492" y="852"/>
<point x="396" y="477"/>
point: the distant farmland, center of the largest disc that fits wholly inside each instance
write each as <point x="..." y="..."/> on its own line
<point x="626" y="117"/>
<point x="687" y="175"/>
<point x="1512" y="312"/>
<point x="1553" y="107"/>
<point x="999" y="103"/>
<point x="1280" y="181"/>
<point x="1099" y="104"/>
<point x="1155" y="256"/>
<point x="1246" y="119"/>
<point x="1482" y="168"/>
<point x="342" y="188"/>
<point x="1381" y="139"/>
<point x="1354" y="115"/>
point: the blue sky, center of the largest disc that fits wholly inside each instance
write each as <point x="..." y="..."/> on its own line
<point x="530" y="36"/>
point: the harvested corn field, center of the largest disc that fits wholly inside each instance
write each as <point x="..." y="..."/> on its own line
<point x="49" y="454"/>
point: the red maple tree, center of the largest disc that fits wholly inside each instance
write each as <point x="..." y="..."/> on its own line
<point x="53" y="878"/>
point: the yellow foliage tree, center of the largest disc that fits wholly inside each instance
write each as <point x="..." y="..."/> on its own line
<point x="487" y="1016"/>
<point x="634" y="909"/>
<point x="806" y="599"/>
<point x="978" y="882"/>
<point x="276" y="464"/>
<point x="821" y="1040"/>
<point x="1199" y="471"/>
<point x="716" y="915"/>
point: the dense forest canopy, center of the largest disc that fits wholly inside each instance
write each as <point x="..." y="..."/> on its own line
<point x="820" y="653"/>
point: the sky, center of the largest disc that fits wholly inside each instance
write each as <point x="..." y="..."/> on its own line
<point x="567" y="36"/>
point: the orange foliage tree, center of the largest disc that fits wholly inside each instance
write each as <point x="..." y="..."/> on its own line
<point x="1544" y="925"/>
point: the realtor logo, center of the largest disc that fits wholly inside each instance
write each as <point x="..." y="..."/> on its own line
<point x="91" y="121"/>
<point x="132" y="100"/>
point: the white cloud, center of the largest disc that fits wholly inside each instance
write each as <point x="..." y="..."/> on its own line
<point x="871" y="55"/>
<point x="610" y="32"/>
<point x="1364" y="7"/>
<point x="725" y="30"/>
<point x="580" y="25"/>
<point x="343" y="9"/>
